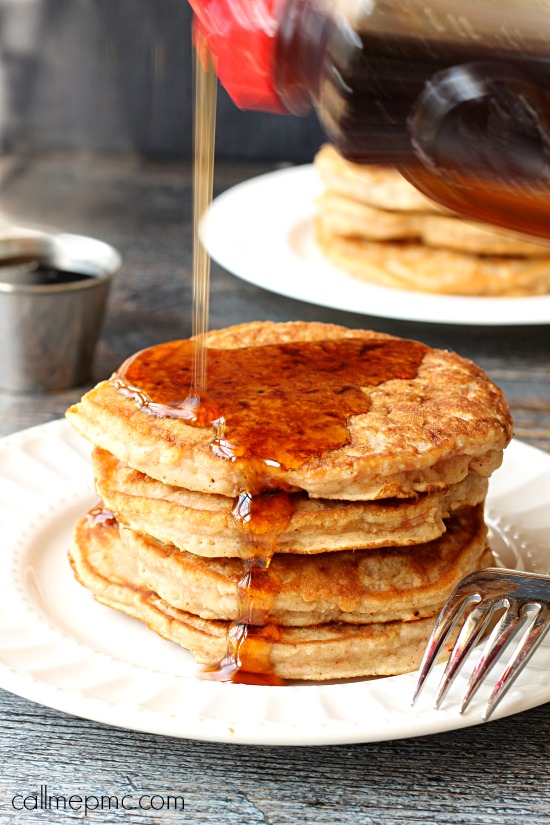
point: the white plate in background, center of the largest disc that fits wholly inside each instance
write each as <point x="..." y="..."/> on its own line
<point x="262" y="231"/>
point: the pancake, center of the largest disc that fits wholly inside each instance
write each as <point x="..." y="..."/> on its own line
<point x="203" y="523"/>
<point x="419" y="434"/>
<point x="376" y="226"/>
<point x="380" y="186"/>
<point x="339" y="215"/>
<point x="358" y="587"/>
<point x="414" y="266"/>
<point x="328" y="651"/>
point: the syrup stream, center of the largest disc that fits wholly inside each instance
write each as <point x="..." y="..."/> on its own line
<point x="203" y="179"/>
<point x="255" y="580"/>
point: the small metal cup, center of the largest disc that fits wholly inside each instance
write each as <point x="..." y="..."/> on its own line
<point x="49" y="331"/>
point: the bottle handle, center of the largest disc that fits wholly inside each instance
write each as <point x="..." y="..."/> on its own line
<point x="486" y="117"/>
<point x="481" y="135"/>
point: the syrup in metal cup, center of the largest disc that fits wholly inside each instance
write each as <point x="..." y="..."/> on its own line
<point x="53" y="292"/>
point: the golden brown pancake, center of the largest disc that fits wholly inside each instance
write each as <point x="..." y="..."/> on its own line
<point x="419" y="434"/>
<point x="342" y="216"/>
<point x="358" y="587"/>
<point x="327" y="651"/>
<point x="414" y="266"/>
<point x="380" y="186"/>
<point x="377" y="227"/>
<point x="203" y="523"/>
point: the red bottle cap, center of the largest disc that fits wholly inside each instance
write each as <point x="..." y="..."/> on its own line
<point x="241" y="36"/>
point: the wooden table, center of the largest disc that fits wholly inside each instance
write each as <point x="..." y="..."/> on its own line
<point x="497" y="773"/>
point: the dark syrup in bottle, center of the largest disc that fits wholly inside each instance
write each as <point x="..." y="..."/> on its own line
<point x="460" y="106"/>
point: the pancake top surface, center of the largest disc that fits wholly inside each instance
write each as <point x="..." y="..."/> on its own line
<point x="296" y="405"/>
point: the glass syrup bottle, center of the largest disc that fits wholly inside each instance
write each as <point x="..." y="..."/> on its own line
<point x="455" y="93"/>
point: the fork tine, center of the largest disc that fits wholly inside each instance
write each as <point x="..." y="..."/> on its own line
<point x="447" y="619"/>
<point x="519" y="659"/>
<point x="506" y="628"/>
<point x="474" y="625"/>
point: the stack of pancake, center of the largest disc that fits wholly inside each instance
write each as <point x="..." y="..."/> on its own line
<point x="378" y="531"/>
<point x="375" y="225"/>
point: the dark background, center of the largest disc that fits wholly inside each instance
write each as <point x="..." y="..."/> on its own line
<point x="116" y="76"/>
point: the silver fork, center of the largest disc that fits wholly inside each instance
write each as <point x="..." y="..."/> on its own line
<point x="525" y="599"/>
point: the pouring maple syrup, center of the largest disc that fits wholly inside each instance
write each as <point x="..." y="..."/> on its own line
<point x="203" y="181"/>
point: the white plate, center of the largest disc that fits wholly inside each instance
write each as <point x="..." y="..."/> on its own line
<point x="262" y="231"/>
<point x="60" y="648"/>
